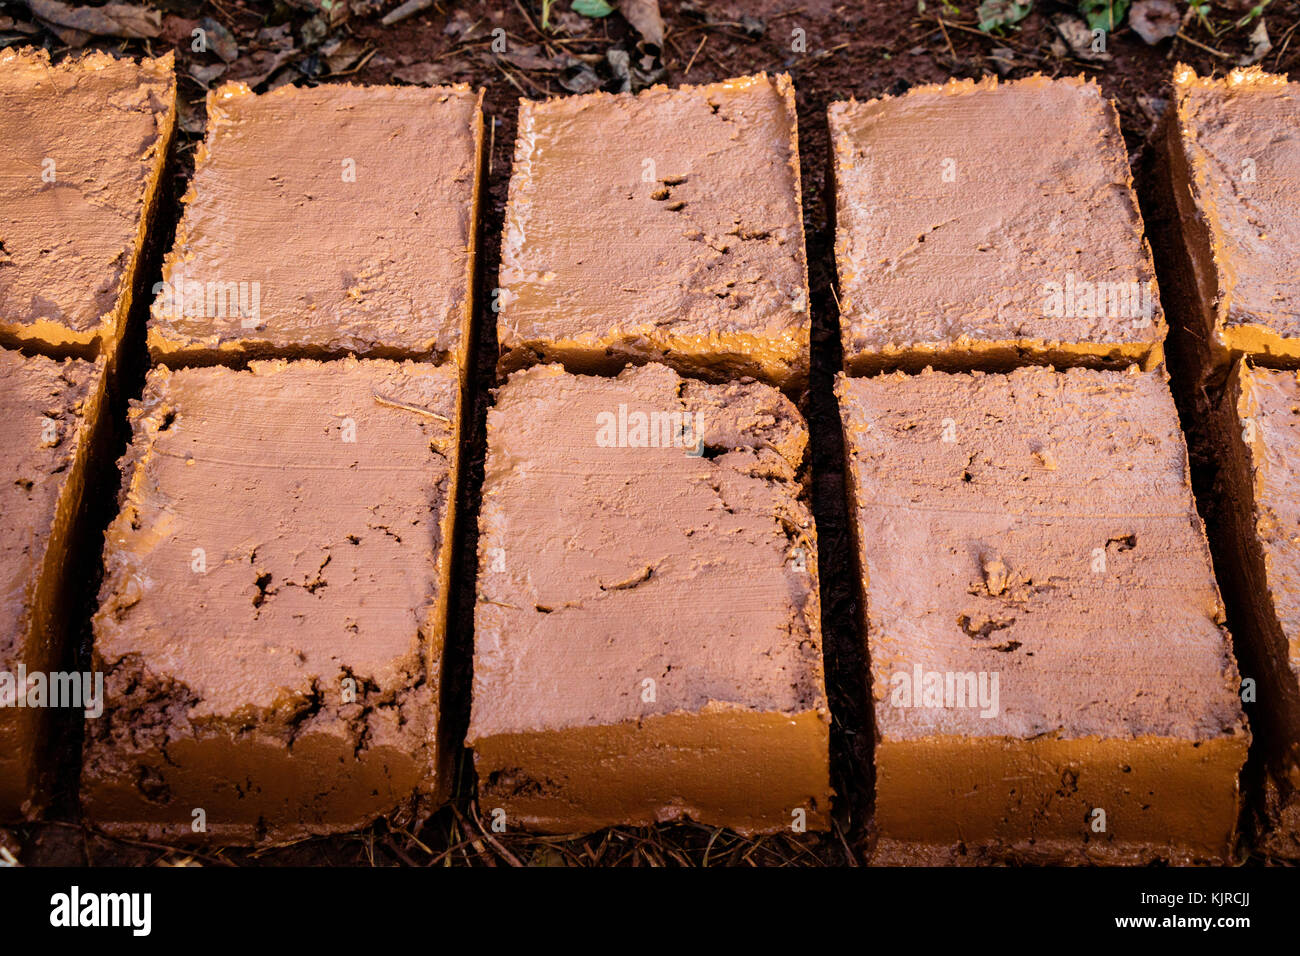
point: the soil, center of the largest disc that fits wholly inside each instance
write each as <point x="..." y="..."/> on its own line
<point x="833" y="51"/>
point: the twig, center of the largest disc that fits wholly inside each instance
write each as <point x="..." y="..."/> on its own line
<point x="360" y="65"/>
<point x="1285" y="42"/>
<point x="413" y="838"/>
<point x="496" y="844"/>
<point x="839" y="310"/>
<point x="844" y="841"/>
<point x="523" y="75"/>
<point x="399" y="853"/>
<point x="1180" y="35"/>
<point x="530" y="21"/>
<point x="703" y="40"/>
<point x="409" y="9"/>
<point x="946" y="38"/>
<point x="393" y="403"/>
<point x="710" y="26"/>
<point x="979" y="33"/>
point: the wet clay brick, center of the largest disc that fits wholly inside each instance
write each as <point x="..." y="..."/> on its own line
<point x="1045" y="634"/>
<point x="1259" y="455"/>
<point x="1233" y="159"/>
<point x="84" y="145"/>
<point x="988" y="225"/>
<point x="48" y="415"/>
<point x="322" y="221"/>
<point x="273" y="610"/>
<point x="664" y="226"/>
<point x="647" y="634"/>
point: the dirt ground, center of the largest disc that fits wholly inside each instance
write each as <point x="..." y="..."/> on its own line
<point x="833" y="51"/>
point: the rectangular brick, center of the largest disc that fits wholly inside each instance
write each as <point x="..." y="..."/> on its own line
<point x="274" y="604"/>
<point x="988" y="225"/>
<point x="1258" y="441"/>
<point x="1234" y="168"/>
<point x="49" y="418"/>
<point x="664" y="226"/>
<point x="85" y="143"/>
<point x="324" y="221"/>
<point x="647" y="633"/>
<point x="1045" y="634"/>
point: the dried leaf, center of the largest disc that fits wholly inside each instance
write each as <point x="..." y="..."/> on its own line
<point x="645" y="19"/>
<point x="10" y="24"/>
<point x="341" y="54"/>
<point x="578" y="77"/>
<point x="620" y="64"/>
<point x="528" y="58"/>
<point x="275" y="38"/>
<point x="206" y="73"/>
<point x="1260" y="44"/>
<point x="178" y="31"/>
<point x="282" y="78"/>
<point x="110" y="20"/>
<point x="421" y="74"/>
<point x="219" y="40"/>
<point x="1154" y="20"/>
<point x="461" y="25"/>
<point x="257" y="68"/>
<point x="67" y="35"/>
<point x="1004" y="59"/>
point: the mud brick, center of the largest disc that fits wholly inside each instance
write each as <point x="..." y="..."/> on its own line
<point x="273" y="610"/>
<point x="323" y="221"/>
<point x="84" y="146"/>
<point x="1233" y="162"/>
<point x="665" y="227"/>
<point x="49" y="415"/>
<point x="1051" y="675"/>
<point x="1258" y="449"/>
<point x="647" y="633"/>
<point x="985" y="225"/>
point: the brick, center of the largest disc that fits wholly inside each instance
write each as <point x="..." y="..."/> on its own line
<point x="49" y="417"/>
<point x="1045" y="634"/>
<point x="1235" y="178"/>
<point x="664" y="226"/>
<point x="325" y="221"/>
<point x="85" y="144"/>
<point x="647" y="632"/>
<point x="985" y="225"/>
<point x="274" y="605"/>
